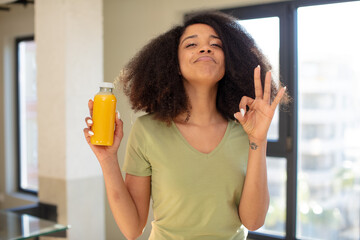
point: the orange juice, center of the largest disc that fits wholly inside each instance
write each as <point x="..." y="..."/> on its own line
<point x="104" y="116"/>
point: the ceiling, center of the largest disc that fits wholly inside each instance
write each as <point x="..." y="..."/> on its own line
<point x="5" y="5"/>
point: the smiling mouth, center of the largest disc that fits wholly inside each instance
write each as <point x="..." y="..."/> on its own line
<point x="205" y="59"/>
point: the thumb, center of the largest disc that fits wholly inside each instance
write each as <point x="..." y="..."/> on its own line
<point x="118" y="127"/>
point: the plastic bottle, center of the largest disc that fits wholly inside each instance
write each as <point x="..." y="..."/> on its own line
<point x="104" y="115"/>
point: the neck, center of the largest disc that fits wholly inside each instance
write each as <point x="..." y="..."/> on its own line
<point x="203" y="105"/>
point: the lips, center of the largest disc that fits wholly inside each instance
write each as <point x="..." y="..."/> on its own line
<point x="205" y="59"/>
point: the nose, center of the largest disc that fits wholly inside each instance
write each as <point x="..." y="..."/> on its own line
<point x="208" y="51"/>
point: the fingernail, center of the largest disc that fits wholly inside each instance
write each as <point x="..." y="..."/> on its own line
<point x="118" y="114"/>
<point x="91" y="133"/>
<point x="285" y="88"/>
<point x="89" y="121"/>
<point x="258" y="66"/>
<point x="242" y="112"/>
<point x="235" y="114"/>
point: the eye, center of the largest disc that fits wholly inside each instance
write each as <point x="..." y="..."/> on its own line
<point x="190" y="45"/>
<point x="217" y="45"/>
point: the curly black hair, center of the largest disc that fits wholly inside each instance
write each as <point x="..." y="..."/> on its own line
<point x="153" y="83"/>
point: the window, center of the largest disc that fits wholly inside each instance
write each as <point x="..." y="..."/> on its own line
<point x="328" y="60"/>
<point x="313" y="151"/>
<point x="266" y="31"/>
<point x="27" y="115"/>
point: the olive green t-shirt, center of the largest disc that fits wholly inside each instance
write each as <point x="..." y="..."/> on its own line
<point x="195" y="195"/>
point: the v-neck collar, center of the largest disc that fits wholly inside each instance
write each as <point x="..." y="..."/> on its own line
<point x="223" y="140"/>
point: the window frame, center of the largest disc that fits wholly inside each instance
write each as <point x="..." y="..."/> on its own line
<point x="286" y="146"/>
<point x="18" y="40"/>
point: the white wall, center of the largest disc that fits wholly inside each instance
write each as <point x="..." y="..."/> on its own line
<point x="69" y="57"/>
<point x="128" y="25"/>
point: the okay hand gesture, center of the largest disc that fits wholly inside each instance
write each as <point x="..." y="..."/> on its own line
<point x="256" y="121"/>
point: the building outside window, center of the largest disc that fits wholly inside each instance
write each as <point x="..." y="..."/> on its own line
<point x="329" y="120"/>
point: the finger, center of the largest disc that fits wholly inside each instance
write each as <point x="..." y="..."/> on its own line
<point x="89" y="121"/>
<point x="240" y="116"/>
<point x="257" y="83"/>
<point x="267" y="89"/>
<point x="88" y="133"/>
<point x="119" y="128"/>
<point x="278" y="98"/>
<point x="91" y="105"/>
<point x="245" y="101"/>
<point x="119" y="133"/>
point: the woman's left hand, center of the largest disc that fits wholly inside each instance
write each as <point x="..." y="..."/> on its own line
<point x="256" y="121"/>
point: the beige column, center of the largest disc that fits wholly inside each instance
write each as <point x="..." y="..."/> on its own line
<point x="69" y="38"/>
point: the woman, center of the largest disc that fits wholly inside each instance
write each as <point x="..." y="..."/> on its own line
<point x="205" y="172"/>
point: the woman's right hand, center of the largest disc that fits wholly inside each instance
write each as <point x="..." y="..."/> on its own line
<point x="104" y="153"/>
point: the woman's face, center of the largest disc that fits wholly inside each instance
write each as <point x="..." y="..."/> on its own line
<point x="201" y="56"/>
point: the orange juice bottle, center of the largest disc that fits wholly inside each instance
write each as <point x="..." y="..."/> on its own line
<point x="104" y="115"/>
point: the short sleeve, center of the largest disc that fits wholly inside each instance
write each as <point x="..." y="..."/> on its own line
<point x="136" y="162"/>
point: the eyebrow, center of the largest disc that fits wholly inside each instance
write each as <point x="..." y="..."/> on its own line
<point x="195" y="36"/>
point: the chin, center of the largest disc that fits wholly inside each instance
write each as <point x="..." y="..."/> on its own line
<point x="204" y="76"/>
<point x="210" y="77"/>
<point x="205" y="80"/>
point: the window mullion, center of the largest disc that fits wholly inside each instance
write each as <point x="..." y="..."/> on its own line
<point x="288" y="56"/>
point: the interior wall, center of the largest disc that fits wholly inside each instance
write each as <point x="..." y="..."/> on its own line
<point x="69" y="57"/>
<point x="18" y="22"/>
<point x="128" y="25"/>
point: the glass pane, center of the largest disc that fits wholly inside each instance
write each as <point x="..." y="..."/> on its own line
<point x="266" y="33"/>
<point x="28" y="116"/>
<point x="276" y="216"/>
<point x="329" y="122"/>
<point x="22" y="226"/>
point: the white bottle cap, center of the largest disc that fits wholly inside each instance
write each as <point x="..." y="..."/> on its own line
<point x="106" y="85"/>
